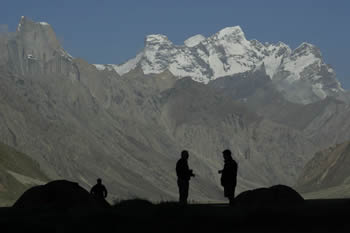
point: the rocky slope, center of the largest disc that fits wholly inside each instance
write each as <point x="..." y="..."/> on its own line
<point x="81" y="123"/>
<point x="324" y="122"/>
<point x="328" y="172"/>
<point x="18" y="172"/>
<point x="301" y="74"/>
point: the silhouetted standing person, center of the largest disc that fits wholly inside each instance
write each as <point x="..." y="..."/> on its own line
<point x="99" y="191"/>
<point x="229" y="176"/>
<point x="184" y="175"/>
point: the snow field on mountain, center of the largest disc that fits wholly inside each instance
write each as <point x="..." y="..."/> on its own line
<point x="227" y="53"/>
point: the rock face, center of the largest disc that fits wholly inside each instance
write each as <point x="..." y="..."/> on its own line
<point x="329" y="168"/>
<point x="57" y="195"/>
<point x="300" y="74"/>
<point x="323" y="122"/>
<point x="278" y="195"/>
<point x="18" y="172"/>
<point x="212" y="121"/>
<point x="34" y="49"/>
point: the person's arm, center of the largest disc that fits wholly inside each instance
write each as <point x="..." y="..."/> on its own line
<point x="105" y="192"/>
<point x="187" y="170"/>
<point x="191" y="173"/>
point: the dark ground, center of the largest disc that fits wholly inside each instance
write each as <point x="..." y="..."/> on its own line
<point x="141" y="216"/>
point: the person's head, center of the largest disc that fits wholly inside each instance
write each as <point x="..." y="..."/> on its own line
<point x="184" y="154"/>
<point x="227" y="155"/>
<point x="99" y="181"/>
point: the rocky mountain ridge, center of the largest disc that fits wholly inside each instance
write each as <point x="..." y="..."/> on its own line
<point x="300" y="74"/>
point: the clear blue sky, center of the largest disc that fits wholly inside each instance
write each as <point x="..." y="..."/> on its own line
<point x="102" y="31"/>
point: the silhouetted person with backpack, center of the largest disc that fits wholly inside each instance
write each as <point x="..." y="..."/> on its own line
<point x="184" y="175"/>
<point x="99" y="191"/>
<point x="229" y="176"/>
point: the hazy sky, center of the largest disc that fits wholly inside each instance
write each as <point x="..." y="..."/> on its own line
<point x="113" y="31"/>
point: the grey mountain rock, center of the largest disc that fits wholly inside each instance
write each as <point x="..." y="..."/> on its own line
<point x="324" y="122"/>
<point x="327" y="172"/>
<point x="34" y="49"/>
<point x="209" y="126"/>
<point x="18" y="172"/>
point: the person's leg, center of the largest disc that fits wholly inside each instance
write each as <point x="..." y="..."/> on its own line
<point x="182" y="191"/>
<point x="231" y="200"/>
<point x="232" y="196"/>
<point x="186" y="188"/>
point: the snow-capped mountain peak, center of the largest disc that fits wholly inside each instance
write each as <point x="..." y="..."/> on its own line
<point x="44" y="24"/>
<point x="157" y="39"/>
<point x="301" y="58"/>
<point x="194" y="40"/>
<point x="26" y="21"/>
<point x="230" y="32"/>
<point x="228" y="52"/>
<point x="306" y="49"/>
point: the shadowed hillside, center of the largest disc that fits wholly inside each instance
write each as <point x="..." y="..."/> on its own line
<point x="18" y="172"/>
<point x="327" y="175"/>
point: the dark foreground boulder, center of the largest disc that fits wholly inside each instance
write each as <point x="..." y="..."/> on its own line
<point x="139" y="203"/>
<point x="278" y="194"/>
<point x="58" y="195"/>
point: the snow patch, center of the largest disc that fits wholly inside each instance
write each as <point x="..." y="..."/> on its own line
<point x="65" y="54"/>
<point x="129" y="65"/>
<point x="216" y="65"/>
<point x="272" y="63"/>
<point x="297" y="65"/>
<point x="44" y="23"/>
<point x="318" y="90"/>
<point x="306" y="44"/>
<point x="229" y="31"/>
<point x="184" y="65"/>
<point x="100" y="67"/>
<point x="194" y="40"/>
<point x="157" y="38"/>
<point x="30" y="56"/>
<point x="109" y="67"/>
<point x="274" y="57"/>
<point x="336" y="90"/>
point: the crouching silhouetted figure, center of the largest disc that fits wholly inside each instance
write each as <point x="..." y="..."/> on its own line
<point x="99" y="191"/>
<point x="229" y="176"/>
<point x="184" y="175"/>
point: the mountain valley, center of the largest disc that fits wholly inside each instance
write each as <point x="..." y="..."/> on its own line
<point x="272" y="106"/>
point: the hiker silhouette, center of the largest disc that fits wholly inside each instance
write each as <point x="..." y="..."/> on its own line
<point x="229" y="176"/>
<point x="184" y="175"/>
<point x="99" y="191"/>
